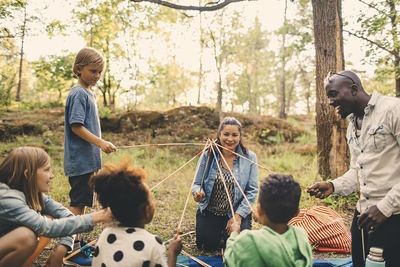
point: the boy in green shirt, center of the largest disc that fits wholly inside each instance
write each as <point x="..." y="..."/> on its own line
<point x="276" y="244"/>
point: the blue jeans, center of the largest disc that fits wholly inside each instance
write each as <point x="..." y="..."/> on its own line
<point x="210" y="230"/>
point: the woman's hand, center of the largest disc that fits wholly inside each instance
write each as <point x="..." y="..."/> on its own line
<point x="104" y="215"/>
<point x="232" y="226"/>
<point x="199" y="196"/>
<point x="56" y="256"/>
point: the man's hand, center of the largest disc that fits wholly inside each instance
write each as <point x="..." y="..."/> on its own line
<point x="231" y="221"/>
<point x="320" y="189"/>
<point x="107" y="147"/>
<point x="371" y="219"/>
<point x="199" y="196"/>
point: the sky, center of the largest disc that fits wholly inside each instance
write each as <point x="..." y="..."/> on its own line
<point x="270" y="13"/>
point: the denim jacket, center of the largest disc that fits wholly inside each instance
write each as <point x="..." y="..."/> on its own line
<point x="15" y="212"/>
<point x="245" y="171"/>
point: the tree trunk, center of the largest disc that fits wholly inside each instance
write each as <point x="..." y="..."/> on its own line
<point x="397" y="75"/>
<point x="290" y="93"/>
<point x="218" y="64"/>
<point x="282" y="109"/>
<point x="18" y="96"/>
<point x="200" y="82"/>
<point x="332" y="148"/>
<point x="394" y="22"/>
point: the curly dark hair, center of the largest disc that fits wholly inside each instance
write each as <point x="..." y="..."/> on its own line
<point x="122" y="188"/>
<point x="279" y="197"/>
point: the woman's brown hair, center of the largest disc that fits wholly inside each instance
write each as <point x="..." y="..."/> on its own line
<point x="13" y="168"/>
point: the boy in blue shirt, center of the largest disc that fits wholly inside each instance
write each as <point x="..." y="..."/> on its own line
<point x="82" y="136"/>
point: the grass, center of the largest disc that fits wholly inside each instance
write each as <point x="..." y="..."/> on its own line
<point x="170" y="196"/>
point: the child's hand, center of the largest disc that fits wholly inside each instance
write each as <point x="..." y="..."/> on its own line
<point x="199" y="196"/>
<point x="175" y="245"/>
<point x="107" y="147"/>
<point x="104" y="215"/>
<point x="256" y="216"/>
<point x="235" y="227"/>
<point x="237" y="220"/>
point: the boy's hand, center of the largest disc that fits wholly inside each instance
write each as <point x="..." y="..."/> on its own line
<point x="107" y="147"/>
<point x="235" y="227"/>
<point x="199" y="196"/>
<point x="320" y="189"/>
<point x="231" y="221"/>
<point x="175" y="245"/>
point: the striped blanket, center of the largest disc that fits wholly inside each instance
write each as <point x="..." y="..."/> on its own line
<point x="326" y="229"/>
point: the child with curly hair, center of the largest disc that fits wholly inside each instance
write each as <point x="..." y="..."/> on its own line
<point x="276" y="244"/>
<point x="122" y="188"/>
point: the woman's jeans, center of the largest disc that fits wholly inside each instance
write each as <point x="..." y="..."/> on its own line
<point x="210" y="230"/>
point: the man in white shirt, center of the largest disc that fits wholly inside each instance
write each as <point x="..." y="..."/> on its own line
<point x="373" y="136"/>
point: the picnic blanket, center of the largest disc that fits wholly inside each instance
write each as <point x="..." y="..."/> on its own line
<point x="216" y="261"/>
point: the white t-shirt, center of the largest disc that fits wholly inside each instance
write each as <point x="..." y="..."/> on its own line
<point x="128" y="246"/>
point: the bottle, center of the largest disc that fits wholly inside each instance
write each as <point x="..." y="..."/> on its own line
<point x="375" y="258"/>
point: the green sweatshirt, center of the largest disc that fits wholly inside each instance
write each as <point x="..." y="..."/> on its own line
<point x="265" y="247"/>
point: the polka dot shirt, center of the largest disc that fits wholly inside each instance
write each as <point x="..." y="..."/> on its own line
<point x="128" y="246"/>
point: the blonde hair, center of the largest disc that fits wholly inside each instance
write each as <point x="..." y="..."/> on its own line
<point x="12" y="173"/>
<point x="87" y="56"/>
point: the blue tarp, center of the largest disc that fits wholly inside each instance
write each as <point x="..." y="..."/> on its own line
<point x="333" y="262"/>
<point x="216" y="261"/>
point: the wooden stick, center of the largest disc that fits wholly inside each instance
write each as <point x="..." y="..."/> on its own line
<point x="202" y="263"/>
<point x="79" y="250"/>
<point x="362" y="229"/>
<point x="225" y="186"/>
<point x="234" y="178"/>
<point x="181" y="265"/>
<point x="181" y="167"/>
<point x="208" y="158"/>
<point x="167" y="144"/>
<point x="169" y="240"/>
<point x="259" y="165"/>
<point x="190" y="192"/>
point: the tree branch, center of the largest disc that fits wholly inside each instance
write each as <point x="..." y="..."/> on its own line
<point x="373" y="7"/>
<point x="208" y="7"/>
<point x="6" y="36"/>
<point x="392" y="52"/>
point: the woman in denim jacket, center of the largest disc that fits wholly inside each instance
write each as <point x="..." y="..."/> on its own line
<point x="24" y="178"/>
<point x="214" y="216"/>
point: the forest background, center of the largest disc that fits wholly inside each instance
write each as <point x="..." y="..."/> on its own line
<point x="253" y="58"/>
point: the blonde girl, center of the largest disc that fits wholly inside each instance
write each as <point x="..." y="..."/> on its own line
<point x="25" y="177"/>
